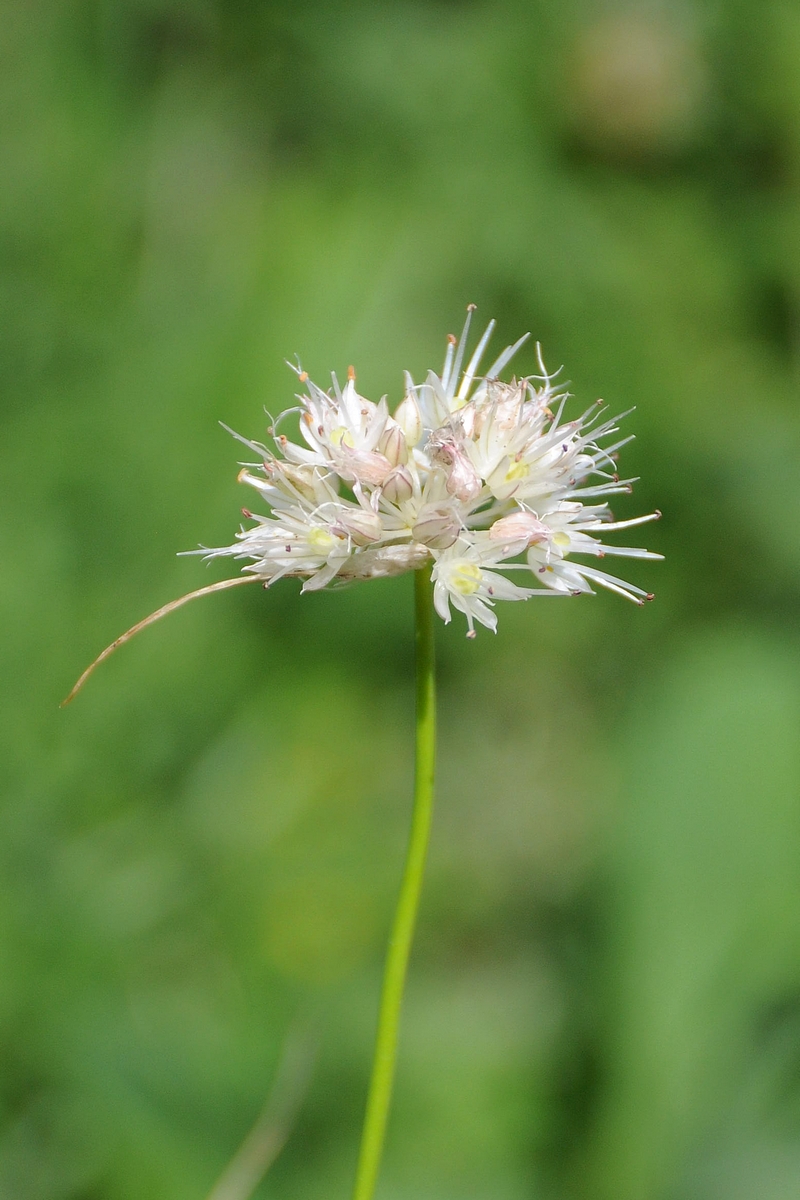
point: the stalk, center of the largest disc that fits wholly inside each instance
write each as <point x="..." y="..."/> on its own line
<point x="394" y="977"/>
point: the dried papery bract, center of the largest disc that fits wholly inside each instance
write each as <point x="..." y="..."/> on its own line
<point x="154" y="616"/>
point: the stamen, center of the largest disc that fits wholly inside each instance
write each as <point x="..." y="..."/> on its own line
<point x="462" y="345"/>
<point x="474" y="362"/>
<point x="447" y="369"/>
<point x="506" y="356"/>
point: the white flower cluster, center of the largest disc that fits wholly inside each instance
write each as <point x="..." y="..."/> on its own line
<point x="471" y="475"/>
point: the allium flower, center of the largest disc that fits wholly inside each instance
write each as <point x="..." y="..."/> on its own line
<point x="471" y="479"/>
<point x="473" y="475"/>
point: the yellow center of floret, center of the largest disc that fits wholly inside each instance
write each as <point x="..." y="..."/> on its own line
<point x="466" y="579"/>
<point x="320" y="540"/>
<point x="517" y="471"/>
<point x="341" y="436"/>
<point x="561" y="539"/>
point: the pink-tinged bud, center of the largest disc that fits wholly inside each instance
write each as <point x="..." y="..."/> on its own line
<point x="393" y="444"/>
<point x="463" y="481"/>
<point x="360" y="525"/>
<point x="367" y="466"/>
<point x="519" y="526"/>
<point x="437" y="528"/>
<point x="398" y="485"/>
<point x="409" y="418"/>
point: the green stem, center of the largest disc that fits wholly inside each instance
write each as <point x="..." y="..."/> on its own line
<point x="383" y="1066"/>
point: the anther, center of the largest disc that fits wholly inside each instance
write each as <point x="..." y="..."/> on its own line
<point x="247" y="514"/>
<point x="303" y="376"/>
<point x="650" y="596"/>
<point x="308" y="418"/>
<point x="657" y="514"/>
<point x="452" y="339"/>
<point x="321" y="430"/>
<point x="615" y="477"/>
<point x="490" y="591"/>
<point x="351" y="374"/>
<point x="471" y="633"/>
<point x="471" y="307"/>
<point x="288" y="549"/>
<point x="240" y="478"/>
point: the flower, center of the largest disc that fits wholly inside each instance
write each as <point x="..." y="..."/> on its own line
<point x="473" y="476"/>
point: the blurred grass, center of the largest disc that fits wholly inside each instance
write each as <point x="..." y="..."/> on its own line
<point x="604" y="998"/>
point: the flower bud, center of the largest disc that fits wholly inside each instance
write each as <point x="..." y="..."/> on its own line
<point x="437" y="528"/>
<point x="393" y="444"/>
<point x="519" y="526"/>
<point x="409" y="418"/>
<point x="398" y="485"/>
<point x="359" y="524"/>
<point x="367" y="466"/>
<point x="463" y="481"/>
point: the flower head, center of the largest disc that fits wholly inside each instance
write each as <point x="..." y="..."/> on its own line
<point x="473" y="475"/>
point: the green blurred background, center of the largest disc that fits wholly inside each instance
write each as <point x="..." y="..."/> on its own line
<point x="605" y="992"/>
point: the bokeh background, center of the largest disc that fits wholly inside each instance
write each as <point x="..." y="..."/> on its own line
<point x="204" y="849"/>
